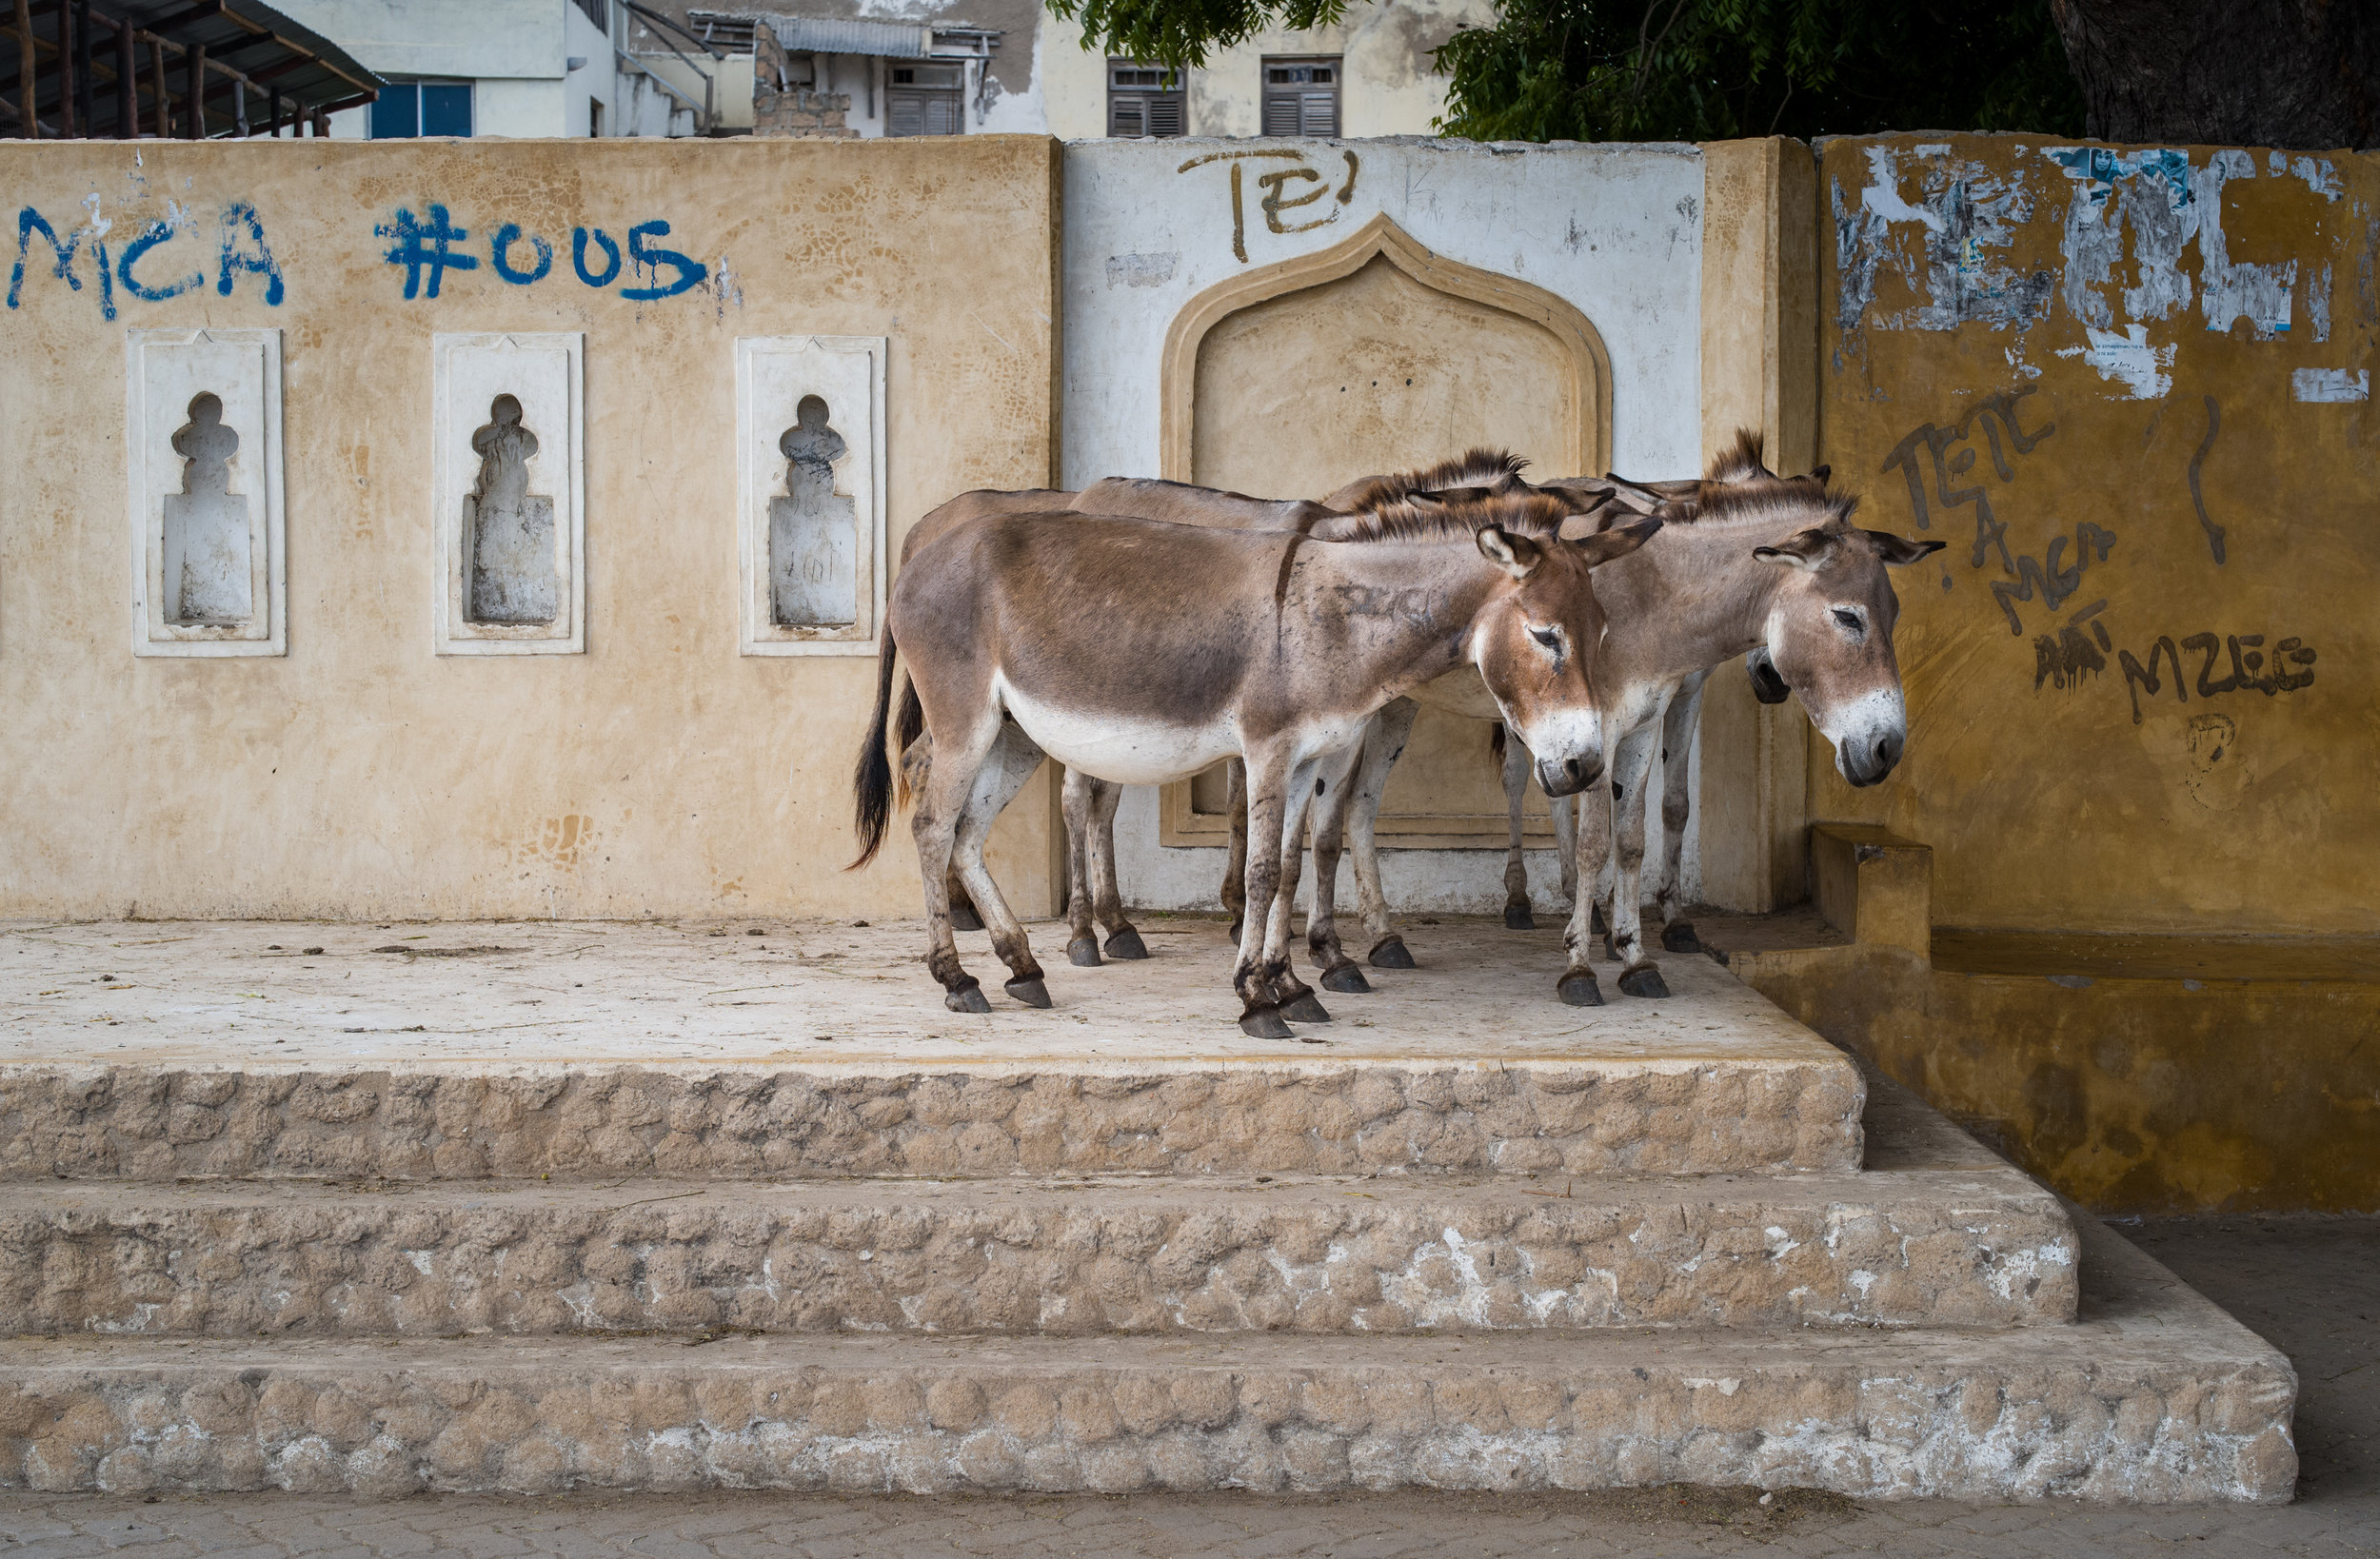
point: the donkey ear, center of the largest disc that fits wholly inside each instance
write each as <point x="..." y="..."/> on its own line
<point x="1897" y="551"/>
<point x="1803" y="549"/>
<point x="1516" y="555"/>
<point x="1821" y="473"/>
<point x="1618" y="542"/>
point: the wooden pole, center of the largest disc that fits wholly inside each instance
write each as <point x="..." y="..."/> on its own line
<point x="128" y="86"/>
<point x="157" y="86"/>
<point x="65" y="71"/>
<point x="28" y="84"/>
<point x="87" y="107"/>
<point x="195" y="63"/>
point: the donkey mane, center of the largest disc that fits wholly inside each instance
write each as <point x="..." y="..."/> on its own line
<point x="1779" y="499"/>
<point x="1526" y="512"/>
<point x="1480" y="467"/>
<point x="1744" y="461"/>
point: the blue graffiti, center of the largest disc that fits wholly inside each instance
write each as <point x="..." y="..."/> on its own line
<point x="578" y="256"/>
<point x="29" y="222"/>
<point x="646" y="259"/>
<point x="151" y="236"/>
<point x="420" y="246"/>
<point x="241" y="215"/>
<point x="501" y="249"/>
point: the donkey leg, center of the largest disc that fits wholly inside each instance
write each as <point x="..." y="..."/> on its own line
<point x="1517" y="765"/>
<point x="941" y="803"/>
<point x="1678" y="745"/>
<point x="1236" y="869"/>
<point x="1382" y="744"/>
<point x="1330" y="822"/>
<point x="1298" y="1001"/>
<point x="1268" y="782"/>
<point x="917" y="768"/>
<point x="1565" y="810"/>
<point x="1009" y="764"/>
<point x="1639" y="976"/>
<point x="1082" y="944"/>
<point x="1578" y="985"/>
<point x="1107" y="898"/>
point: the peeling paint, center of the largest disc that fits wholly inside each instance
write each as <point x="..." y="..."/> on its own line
<point x="1967" y="210"/>
<point x="2322" y="386"/>
<point x="2125" y="356"/>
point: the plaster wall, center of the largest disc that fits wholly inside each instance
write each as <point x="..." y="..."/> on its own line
<point x="360" y="776"/>
<point x="2129" y="387"/>
<point x="1615" y="231"/>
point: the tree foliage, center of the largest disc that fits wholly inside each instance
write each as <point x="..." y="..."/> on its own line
<point x="1683" y="69"/>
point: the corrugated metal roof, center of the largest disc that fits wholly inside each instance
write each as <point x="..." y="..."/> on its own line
<point x="247" y="42"/>
<point x="844" y="35"/>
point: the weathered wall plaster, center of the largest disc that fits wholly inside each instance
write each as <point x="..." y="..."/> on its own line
<point x="809" y="492"/>
<point x="361" y="776"/>
<point x="2125" y="385"/>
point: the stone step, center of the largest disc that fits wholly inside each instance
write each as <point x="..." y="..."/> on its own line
<point x="160" y="1051"/>
<point x="2153" y="1394"/>
<point x="1939" y="1233"/>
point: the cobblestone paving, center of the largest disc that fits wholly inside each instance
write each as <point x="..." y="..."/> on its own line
<point x="2310" y="1285"/>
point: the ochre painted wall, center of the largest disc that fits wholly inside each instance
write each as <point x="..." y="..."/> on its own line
<point x="2081" y="366"/>
<point x="660" y="773"/>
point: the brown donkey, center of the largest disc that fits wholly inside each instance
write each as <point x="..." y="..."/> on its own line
<point x="1038" y="633"/>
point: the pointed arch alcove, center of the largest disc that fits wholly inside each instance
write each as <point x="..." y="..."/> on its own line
<point x="1378" y="355"/>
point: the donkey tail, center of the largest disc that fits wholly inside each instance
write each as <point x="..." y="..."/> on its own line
<point x="872" y="784"/>
<point x="1495" y="744"/>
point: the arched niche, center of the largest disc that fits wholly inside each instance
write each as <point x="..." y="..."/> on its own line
<point x="1373" y="355"/>
<point x="1377" y="355"/>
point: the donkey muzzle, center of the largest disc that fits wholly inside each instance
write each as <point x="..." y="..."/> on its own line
<point x="1867" y="762"/>
<point x="1569" y="775"/>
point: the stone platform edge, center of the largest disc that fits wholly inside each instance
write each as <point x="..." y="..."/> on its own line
<point x="2156" y="1395"/>
<point x="1027" y="1116"/>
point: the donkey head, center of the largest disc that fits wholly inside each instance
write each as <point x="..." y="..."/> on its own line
<point x="1830" y="636"/>
<point x="1535" y="643"/>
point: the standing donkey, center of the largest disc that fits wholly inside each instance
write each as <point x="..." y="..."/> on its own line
<point x="1143" y="652"/>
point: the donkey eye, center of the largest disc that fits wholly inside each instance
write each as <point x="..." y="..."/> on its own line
<point x="1850" y="619"/>
<point x="1550" y="638"/>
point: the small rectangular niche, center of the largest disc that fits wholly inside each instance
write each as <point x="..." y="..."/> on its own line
<point x="810" y="492"/>
<point x="202" y="454"/>
<point x="508" y="467"/>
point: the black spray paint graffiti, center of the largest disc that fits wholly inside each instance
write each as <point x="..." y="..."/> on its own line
<point x="1995" y="415"/>
<point x="2054" y="584"/>
<point x="2064" y="658"/>
<point x="2251" y="669"/>
<point x="2199" y="499"/>
<point x="1272" y="202"/>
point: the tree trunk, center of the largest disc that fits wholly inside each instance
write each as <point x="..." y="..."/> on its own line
<point x="2297" y="73"/>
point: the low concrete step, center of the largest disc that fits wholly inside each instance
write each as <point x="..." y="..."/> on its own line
<point x="1940" y="1233"/>
<point x="156" y="1051"/>
<point x="2153" y="1394"/>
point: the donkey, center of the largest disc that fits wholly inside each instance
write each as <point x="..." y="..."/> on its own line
<point x="1094" y="897"/>
<point x="1037" y="633"/>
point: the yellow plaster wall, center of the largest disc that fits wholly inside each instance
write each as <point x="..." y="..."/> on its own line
<point x="660" y="773"/>
<point x="1962" y="282"/>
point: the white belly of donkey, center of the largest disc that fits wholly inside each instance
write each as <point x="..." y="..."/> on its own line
<point x="1126" y="750"/>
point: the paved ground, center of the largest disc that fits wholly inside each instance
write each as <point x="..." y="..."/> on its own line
<point x="2312" y="1285"/>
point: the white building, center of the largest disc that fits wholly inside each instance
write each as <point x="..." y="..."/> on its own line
<point x="572" y="68"/>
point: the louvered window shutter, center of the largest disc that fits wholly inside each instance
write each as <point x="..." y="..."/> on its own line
<point x="1281" y="116"/>
<point x="942" y="115"/>
<point x="1317" y="113"/>
<point x="905" y="115"/>
<point x="1164" y="114"/>
<point x="1124" y="118"/>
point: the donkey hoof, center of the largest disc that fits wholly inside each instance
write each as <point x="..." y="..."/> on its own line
<point x="1517" y="918"/>
<point x="1031" y="992"/>
<point x="1345" y="978"/>
<point x="1579" y="989"/>
<point x="1264" y="1023"/>
<point x="1391" y="953"/>
<point x="969" y="1000"/>
<point x="1678" y="936"/>
<point x="1305" y="1008"/>
<point x="1644" y="981"/>
<point x="962" y="918"/>
<point x="1083" y="953"/>
<point x="1127" y="944"/>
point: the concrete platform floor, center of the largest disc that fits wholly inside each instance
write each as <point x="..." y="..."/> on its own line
<point x="757" y="992"/>
<point x="2312" y="1285"/>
